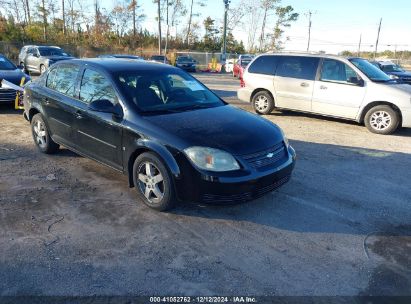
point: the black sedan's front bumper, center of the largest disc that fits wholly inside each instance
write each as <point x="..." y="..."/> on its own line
<point x="210" y="188"/>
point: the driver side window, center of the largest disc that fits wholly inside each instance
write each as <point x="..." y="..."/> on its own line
<point x="337" y="71"/>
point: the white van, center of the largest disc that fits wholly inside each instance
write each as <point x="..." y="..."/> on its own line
<point x="349" y="88"/>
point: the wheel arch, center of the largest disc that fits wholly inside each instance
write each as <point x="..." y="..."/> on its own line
<point x="160" y="151"/>
<point x="32" y="112"/>
<point x="379" y="103"/>
<point x="261" y="90"/>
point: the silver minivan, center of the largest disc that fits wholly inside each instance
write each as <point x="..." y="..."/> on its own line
<point x="348" y="88"/>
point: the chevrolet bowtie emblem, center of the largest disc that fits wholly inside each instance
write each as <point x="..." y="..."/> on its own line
<point x="269" y="155"/>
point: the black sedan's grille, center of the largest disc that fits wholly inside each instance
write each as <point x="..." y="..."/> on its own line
<point x="276" y="155"/>
<point x="7" y="95"/>
<point x="245" y="196"/>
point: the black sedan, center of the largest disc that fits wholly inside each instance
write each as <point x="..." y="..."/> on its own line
<point x="394" y="71"/>
<point x="174" y="138"/>
<point x="186" y="63"/>
<point x="10" y="72"/>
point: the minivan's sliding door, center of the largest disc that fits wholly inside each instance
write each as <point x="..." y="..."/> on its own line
<point x="294" y="82"/>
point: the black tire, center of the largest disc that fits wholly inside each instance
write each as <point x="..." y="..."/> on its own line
<point x="42" y="69"/>
<point x="382" y="120"/>
<point x="24" y="67"/>
<point x="267" y="99"/>
<point x="45" y="144"/>
<point x="166" y="187"/>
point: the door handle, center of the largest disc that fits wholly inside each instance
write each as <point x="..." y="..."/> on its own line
<point x="304" y="84"/>
<point x="323" y="87"/>
<point x="79" y="115"/>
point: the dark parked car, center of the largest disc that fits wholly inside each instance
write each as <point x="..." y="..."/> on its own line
<point x="160" y="59"/>
<point x="394" y="71"/>
<point x="121" y="56"/>
<point x="36" y="59"/>
<point x="186" y="63"/>
<point x="10" y="72"/>
<point x="175" y="139"/>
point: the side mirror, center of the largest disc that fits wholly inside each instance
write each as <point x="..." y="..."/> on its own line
<point x="20" y="67"/>
<point x="356" y="81"/>
<point x="105" y="106"/>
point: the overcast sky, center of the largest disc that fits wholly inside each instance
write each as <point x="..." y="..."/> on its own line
<point x="336" y="25"/>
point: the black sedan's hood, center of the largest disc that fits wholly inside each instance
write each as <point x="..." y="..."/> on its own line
<point x="401" y="74"/>
<point x="13" y="76"/>
<point x="58" y="58"/>
<point x="225" y="127"/>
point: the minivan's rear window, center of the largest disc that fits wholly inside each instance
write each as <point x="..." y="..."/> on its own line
<point x="298" y="67"/>
<point x="264" y="65"/>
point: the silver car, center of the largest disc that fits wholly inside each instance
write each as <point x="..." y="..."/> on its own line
<point x="36" y="59"/>
<point x="349" y="88"/>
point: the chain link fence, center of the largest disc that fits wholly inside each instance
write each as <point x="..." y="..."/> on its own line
<point x="12" y="49"/>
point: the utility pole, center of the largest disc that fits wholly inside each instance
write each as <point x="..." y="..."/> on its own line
<point x="168" y="31"/>
<point x="359" y="46"/>
<point x="378" y="37"/>
<point x="134" y="4"/>
<point x="309" y="30"/>
<point x="159" y="27"/>
<point x="28" y="11"/>
<point x="226" y="6"/>
<point x="64" y="17"/>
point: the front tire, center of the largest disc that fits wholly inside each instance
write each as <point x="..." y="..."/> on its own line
<point x="42" y="69"/>
<point x="382" y="120"/>
<point x="263" y="103"/>
<point x="41" y="135"/>
<point x="153" y="182"/>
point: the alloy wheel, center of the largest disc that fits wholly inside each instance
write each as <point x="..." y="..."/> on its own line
<point x="151" y="182"/>
<point x="261" y="103"/>
<point x="380" y="120"/>
<point x="40" y="134"/>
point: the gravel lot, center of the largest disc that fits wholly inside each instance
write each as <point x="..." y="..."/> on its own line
<point x="341" y="226"/>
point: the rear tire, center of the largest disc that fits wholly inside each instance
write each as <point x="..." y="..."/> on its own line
<point x="263" y="103"/>
<point x="41" y="135"/>
<point x="153" y="182"/>
<point x="382" y="120"/>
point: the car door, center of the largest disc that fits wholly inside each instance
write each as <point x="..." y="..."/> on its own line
<point x="33" y="60"/>
<point x="98" y="134"/>
<point x="265" y="67"/>
<point x="294" y="82"/>
<point x="339" y="91"/>
<point x="58" y="102"/>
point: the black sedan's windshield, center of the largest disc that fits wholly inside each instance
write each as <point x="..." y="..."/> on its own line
<point x="185" y="59"/>
<point x="52" y="52"/>
<point x="165" y="91"/>
<point x="391" y="68"/>
<point x="372" y="72"/>
<point x="6" y="65"/>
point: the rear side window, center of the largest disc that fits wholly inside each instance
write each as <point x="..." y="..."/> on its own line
<point x="264" y="65"/>
<point x="95" y="86"/>
<point x="63" y="79"/>
<point x="298" y="67"/>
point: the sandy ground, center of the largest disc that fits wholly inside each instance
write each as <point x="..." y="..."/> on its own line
<point x="341" y="226"/>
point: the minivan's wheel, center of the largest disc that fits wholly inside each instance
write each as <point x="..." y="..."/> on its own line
<point x="153" y="182"/>
<point x="263" y="103"/>
<point x="42" y="69"/>
<point x="41" y="135"/>
<point x="382" y="120"/>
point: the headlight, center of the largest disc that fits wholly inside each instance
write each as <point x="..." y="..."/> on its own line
<point x="394" y="77"/>
<point x="287" y="143"/>
<point x="211" y="159"/>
